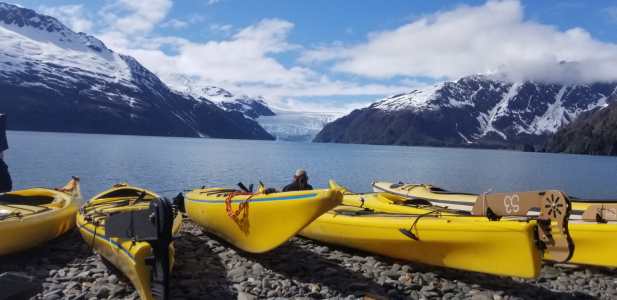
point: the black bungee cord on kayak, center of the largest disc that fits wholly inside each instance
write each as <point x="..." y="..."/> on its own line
<point x="409" y="232"/>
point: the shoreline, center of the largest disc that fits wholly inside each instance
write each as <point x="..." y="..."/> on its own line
<point x="207" y="267"/>
<point x="458" y="147"/>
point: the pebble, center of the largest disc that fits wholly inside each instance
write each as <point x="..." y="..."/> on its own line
<point x="302" y="269"/>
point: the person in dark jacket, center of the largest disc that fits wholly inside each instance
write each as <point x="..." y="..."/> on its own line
<point x="6" y="184"/>
<point x="300" y="182"/>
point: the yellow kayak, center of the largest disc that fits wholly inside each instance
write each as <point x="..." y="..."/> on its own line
<point x="132" y="228"/>
<point x="465" y="243"/>
<point x="594" y="241"/>
<point x="257" y="222"/>
<point x="34" y="216"/>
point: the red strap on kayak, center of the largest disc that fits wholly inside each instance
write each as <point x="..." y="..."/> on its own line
<point x="243" y="209"/>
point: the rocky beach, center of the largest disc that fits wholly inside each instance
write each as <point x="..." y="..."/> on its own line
<point x="208" y="268"/>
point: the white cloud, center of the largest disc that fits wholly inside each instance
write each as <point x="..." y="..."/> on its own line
<point x="243" y="63"/>
<point x="491" y="38"/>
<point x="212" y="2"/>
<point x="71" y="15"/>
<point x="175" y="24"/>
<point x="130" y="17"/>
<point x="245" y="57"/>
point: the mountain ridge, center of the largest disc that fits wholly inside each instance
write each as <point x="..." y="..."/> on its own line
<point x="251" y="107"/>
<point x="53" y="79"/>
<point x="594" y="132"/>
<point x="474" y="111"/>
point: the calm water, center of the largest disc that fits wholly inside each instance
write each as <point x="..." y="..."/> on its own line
<point x="169" y="165"/>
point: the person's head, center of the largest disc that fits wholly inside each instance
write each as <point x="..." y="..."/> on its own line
<point x="301" y="176"/>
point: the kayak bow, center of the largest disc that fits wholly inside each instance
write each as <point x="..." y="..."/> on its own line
<point x="257" y="222"/>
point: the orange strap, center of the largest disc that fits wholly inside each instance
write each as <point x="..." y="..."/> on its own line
<point x="242" y="208"/>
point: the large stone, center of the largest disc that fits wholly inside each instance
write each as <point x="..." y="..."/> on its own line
<point x="246" y="296"/>
<point x="103" y="292"/>
<point x="257" y="269"/>
<point x="237" y="274"/>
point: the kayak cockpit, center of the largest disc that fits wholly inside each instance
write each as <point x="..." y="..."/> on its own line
<point x="19" y="206"/>
<point x="125" y="193"/>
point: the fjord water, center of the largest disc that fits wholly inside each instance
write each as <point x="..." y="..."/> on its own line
<point x="169" y="165"/>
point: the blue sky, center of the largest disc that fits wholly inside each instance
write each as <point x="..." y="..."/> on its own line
<point x="336" y="55"/>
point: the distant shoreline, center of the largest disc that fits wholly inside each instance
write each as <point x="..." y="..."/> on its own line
<point x="470" y="147"/>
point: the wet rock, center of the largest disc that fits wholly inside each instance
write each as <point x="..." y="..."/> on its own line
<point x="53" y="295"/>
<point x="391" y="274"/>
<point x="237" y="274"/>
<point x="482" y="296"/>
<point x="257" y="269"/>
<point x="103" y="292"/>
<point x="246" y="296"/>
<point x="113" y="279"/>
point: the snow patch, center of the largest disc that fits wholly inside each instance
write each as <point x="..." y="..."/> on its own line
<point x="501" y="108"/>
<point x="417" y="100"/>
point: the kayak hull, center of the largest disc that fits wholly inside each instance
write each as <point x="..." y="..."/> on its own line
<point x="270" y="220"/>
<point x="127" y="256"/>
<point x="472" y="244"/>
<point x="39" y="223"/>
<point x="595" y="243"/>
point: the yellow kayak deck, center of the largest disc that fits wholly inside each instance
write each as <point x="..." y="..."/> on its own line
<point x="465" y="243"/>
<point x="34" y="216"/>
<point x="262" y="223"/>
<point x="594" y="242"/>
<point x="128" y="256"/>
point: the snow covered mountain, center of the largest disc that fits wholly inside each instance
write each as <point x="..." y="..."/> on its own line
<point x="296" y="126"/>
<point x="593" y="132"/>
<point x="54" y="79"/>
<point x="286" y="125"/>
<point x="252" y="107"/>
<point x="476" y="110"/>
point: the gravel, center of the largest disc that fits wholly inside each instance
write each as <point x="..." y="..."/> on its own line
<point x="207" y="267"/>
